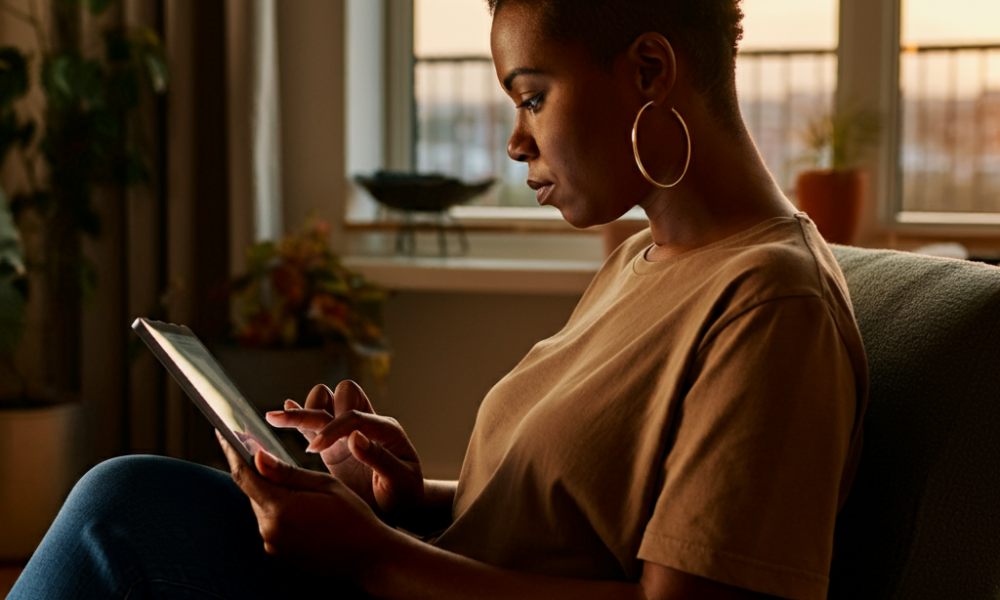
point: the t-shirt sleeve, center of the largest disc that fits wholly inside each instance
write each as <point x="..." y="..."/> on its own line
<point x="751" y="478"/>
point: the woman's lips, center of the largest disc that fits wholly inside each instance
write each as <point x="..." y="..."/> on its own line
<point x="542" y="189"/>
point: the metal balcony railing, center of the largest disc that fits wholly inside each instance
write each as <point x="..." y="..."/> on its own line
<point x="950" y="157"/>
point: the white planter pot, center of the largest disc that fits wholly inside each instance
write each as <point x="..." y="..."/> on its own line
<point x="40" y="459"/>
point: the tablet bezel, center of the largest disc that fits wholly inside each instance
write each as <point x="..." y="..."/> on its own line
<point x="143" y="327"/>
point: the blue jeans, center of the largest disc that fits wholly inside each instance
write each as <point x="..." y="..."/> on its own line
<point x="142" y="527"/>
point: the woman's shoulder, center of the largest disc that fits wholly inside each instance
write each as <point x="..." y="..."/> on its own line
<point x="785" y="260"/>
<point x="781" y="257"/>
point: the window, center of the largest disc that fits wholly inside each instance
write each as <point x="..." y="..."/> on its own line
<point x="931" y="68"/>
<point x="463" y="117"/>
<point x="787" y="75"/>
<point x="950" y="90"/>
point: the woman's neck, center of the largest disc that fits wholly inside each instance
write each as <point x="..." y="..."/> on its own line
<point x="727" y="189"/>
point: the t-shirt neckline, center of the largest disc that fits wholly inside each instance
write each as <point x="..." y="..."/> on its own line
<point x="641" y="266"/>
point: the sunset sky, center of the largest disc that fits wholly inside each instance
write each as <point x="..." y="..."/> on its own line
<point x="449" y="27"/>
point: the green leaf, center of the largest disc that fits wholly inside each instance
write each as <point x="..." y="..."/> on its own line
<point x="150" y="54"/>
<point x="156" y="68"/>
<point x="11" y="251"/>
<point x="12" y="317"/>
<point x="56" y="79"/>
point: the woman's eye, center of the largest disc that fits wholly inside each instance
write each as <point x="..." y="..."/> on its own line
<point x="532" y="104"/>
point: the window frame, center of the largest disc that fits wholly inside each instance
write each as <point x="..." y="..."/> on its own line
<point x="866" y="30"/>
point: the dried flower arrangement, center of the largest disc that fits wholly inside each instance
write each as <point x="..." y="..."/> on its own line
<point x="297" y="294"/>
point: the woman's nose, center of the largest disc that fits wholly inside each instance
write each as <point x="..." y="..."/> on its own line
<point x="521" y="146"/>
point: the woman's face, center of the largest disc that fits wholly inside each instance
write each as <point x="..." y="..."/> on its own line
<point x="574" y="120"/>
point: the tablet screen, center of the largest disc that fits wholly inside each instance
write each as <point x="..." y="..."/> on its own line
<point x="214" y="387"/>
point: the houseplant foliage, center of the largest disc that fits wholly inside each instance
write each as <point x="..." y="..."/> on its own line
<point x="14" y="132"/>
<point x="297" y="294"/>
<point x="833" y="192"/>
<point x="13" y="298"/>
<point x="80" y="141"/>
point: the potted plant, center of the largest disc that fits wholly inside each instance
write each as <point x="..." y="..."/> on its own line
<point x="75" y="140"/>
<point x="300" y="317"/>
<point x="833" y="193"/>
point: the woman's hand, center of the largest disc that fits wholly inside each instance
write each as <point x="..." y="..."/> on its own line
<point x="310" y="519"/>
<point x="314" y="521"/>
<point x="369" y="453"/>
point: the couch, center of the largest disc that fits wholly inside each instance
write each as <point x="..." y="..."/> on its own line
<point x="923" y="517"/>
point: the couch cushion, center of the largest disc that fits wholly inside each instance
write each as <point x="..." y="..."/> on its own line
<point x="923" y="518"/>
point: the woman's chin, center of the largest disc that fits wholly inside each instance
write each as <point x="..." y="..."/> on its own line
<point x="581" y="219"/>
<point x="577" y="220"/>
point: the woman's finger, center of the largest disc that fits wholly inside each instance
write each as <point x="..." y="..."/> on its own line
<point x="381" y="429"/>
<point x="373" y="454"/>
<point x="287" y="476"/>
<point x="289" y="406"/>
<point x="320" y="398"/>
<point x="252" y="484"/>
<point x="299" y="418"/>
<point x="349" y="396"/>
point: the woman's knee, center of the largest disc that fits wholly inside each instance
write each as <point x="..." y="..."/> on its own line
<point x="120" y="485"/>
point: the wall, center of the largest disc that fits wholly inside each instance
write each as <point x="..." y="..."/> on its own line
<point x="448" y="351"/>
<point x="311" y="70"/>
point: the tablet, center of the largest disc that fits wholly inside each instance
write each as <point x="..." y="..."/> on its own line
<point x="208" y="385"/>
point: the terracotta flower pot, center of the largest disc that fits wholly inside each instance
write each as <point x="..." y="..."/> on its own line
<point x="833" y="199"/>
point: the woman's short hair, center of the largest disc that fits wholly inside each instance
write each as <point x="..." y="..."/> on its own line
<point x="707" y="32"/>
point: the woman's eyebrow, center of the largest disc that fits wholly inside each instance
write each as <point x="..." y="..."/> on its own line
<point x="509" y="79"/>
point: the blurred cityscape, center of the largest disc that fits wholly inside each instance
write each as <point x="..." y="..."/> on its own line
<point x="950" y="146"/>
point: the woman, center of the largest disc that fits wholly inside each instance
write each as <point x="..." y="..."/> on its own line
<point x="691" y="433"/>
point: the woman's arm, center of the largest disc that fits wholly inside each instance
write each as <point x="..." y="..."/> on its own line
<point x="439" y="497"/>
<point x="411" y="570"/>
<point x="316" y="522"/>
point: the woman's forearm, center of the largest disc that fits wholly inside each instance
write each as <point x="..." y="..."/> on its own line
<point x="439" y="497"/>
<point x="434" y="514"/>
<point x="412" y="569"/>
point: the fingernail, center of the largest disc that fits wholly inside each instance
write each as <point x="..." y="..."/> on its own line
<point x="218" y="436"/>
<point x="274" y="413"/>
<point x="313" y="446"/>
<point x="363" y="442"/>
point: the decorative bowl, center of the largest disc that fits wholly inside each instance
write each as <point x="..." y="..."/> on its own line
<point x="421" y="193"/>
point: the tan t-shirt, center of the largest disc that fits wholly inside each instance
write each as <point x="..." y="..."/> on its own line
<point x="702" y="413"/>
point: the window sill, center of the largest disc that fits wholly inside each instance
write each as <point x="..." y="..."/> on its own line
<point x="538" y="219"/>
<point x="477" y="275"/>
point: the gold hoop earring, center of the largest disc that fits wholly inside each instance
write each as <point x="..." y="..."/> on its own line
<point x="635" y="148"/>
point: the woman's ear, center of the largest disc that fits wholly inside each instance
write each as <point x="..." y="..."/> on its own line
<point x="655" y="65"/>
